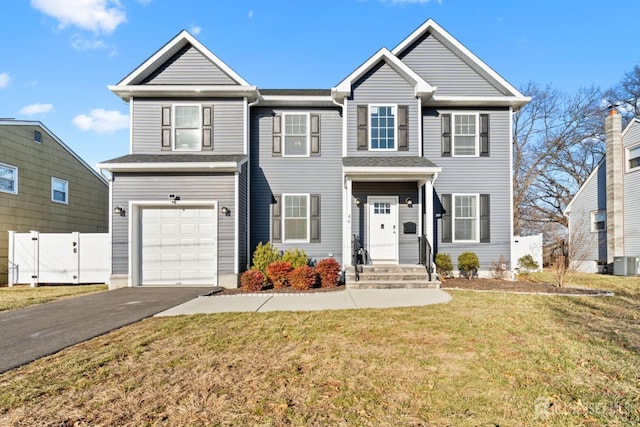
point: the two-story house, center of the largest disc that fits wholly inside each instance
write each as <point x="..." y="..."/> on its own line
<point x="416" y="142"/>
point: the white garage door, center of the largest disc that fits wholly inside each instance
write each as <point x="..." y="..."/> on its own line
<point x="179" y="246"/>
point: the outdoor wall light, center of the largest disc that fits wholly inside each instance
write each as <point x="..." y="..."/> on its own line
<point x="226" y="211"/>
<point x="409" y="202"/>
<point x="119" y="210"/>
<point x="173" y="198"/>
<point x="358" y="202"/>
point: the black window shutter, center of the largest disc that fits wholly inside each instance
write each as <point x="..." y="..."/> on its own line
<point x="276" y="148"/>
<point x="445" y="200"/>
<point x="207" y="128"/>
<point x="403" y="128"/>
<point x="315" y="134"/>
<point x="166" y="128"/>
<point x="446" y="135"/>
<point x="276" y="219"/>
<point x="485" y="232"/>
<point x="363" y="127"/>
<point x="484" y="135"/>
<point x="314" y="216"/>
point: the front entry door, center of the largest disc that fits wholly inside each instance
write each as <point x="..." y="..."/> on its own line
<point x="383" y="229"/>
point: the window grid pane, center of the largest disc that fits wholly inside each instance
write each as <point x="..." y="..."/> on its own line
<point x="464" y="135"/>
<point x="295" y="135"/>
<point x="295" y="217"/>
<point x="187" y="128"/>
<point x="383" y="127"/>
<point x="465" y="217"/>
<point x="59" y="190"/>
<point x="7" y="179"/>
<point x="634" y="157"/>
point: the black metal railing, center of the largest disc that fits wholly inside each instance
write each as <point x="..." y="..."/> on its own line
<point x="424" y="254"/>
<point x="358" y="255"/>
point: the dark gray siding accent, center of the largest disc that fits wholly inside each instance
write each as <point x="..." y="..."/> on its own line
<point x="632" y="197"/>
<point x="408" y="249"/>
<point x="228" y="125"/>
<point x="190" y="187"/>
<point x="189" y="67"/>
<point x="475" y="175"/>
<point x="443" y="66"/>
<point x="382" y="86"/>
<point x="271" y="176"/>
<point x="243" y="215"/>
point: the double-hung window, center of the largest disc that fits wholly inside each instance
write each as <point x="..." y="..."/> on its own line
<point x="598" y="220"/>
<point x="187" y="128"/>
<point x="465" y="218"/>
<point x="633" y="156"/>
<point x="465" y="135"/>
<point x="296" y="135"/>
<point x="384" y="126"/>
<point x="8" y="178"/>
<point x="59" y="190"/>
<point x="296" y="217"/>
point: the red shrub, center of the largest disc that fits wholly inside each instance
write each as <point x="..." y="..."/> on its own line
<point x="278" y="273"/>
<point x="329" y="272"/>
<point x="302" y="278"/>
<point x="252" y="281"/>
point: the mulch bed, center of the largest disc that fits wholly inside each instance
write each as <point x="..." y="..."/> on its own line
<point x="515" y="286"/>
<point x="279" y="291"/>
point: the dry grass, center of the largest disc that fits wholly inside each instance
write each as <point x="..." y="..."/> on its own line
<point x="21" y="296"/>
<point x="483" y="359"/>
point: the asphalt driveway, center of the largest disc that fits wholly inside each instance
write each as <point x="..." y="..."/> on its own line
<point x="31" y="333"/>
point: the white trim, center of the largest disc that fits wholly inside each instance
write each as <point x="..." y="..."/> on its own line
<point x="453" y="133"/>
<point x="131" y="126"/>
<point x="627" y="158"/>
<point x="511" y="224"/>
<point x="345" y="114"/>
<point x="419" y="174"/>
<point x="347" y="191"/>
<point x="173" y="167"/>
<point x="284" y="217"/>
<point x="633" y="122"/>
<point x="594" y="215"/>
<point x="174" y="128"/>
<point x="394" y="111"/>
<point x="431" y="26"/>
<point x="453" y="217"/>
<point x="37" y="132"/>
<point x="185" y="91"/>
<point x="15" y="178"/>
<point x="396" y="260"/>
<point x="593" y="174"/>
<point x="236" y="222"/>
<point x="307" y="116"/>
<point x="420" y="135"/>
<point x="66" y="190"/>
<point x="477" y="101"/>
<point x="296" y="100"/>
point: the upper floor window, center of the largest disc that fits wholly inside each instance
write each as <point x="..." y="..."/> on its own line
<point x="187" y="130"/>
<point x="465" y="218"/>
<point x="465" y="135"/>
<point x="37" y="137"/>
<point x="599" y="220"/>
<point x="633" y="154"/>
<point x="296" y="134"/>
<point x="383" y="125"/>
<point x="8" y="178"/>
<point x="59" y="190"/>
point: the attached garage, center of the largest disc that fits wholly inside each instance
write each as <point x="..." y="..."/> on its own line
<point x="178" y="245"/>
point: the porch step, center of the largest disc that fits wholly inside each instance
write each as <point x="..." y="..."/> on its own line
<point x="390" y="277"/>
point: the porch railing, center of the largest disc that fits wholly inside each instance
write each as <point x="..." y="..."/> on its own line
<point x="424" y="254"/>
<point x="358" y="255"/>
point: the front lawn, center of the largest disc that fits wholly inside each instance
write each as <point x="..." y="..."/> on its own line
<point x="23" y="296"/>
<point x="484" y="359"/>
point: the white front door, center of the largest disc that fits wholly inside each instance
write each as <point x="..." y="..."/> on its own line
<point x="383" y="229"/>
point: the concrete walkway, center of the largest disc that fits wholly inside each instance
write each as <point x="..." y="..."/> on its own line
<point x="339" y="300"/>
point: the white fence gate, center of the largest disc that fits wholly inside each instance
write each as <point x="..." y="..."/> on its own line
<point x="71" y="258"/>
<point x="527" y="245"/>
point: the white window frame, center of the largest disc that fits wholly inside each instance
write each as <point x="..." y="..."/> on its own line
<point x="66" y="190"/>
<point x="37" y="133"/>
<point x="395" y="127"/>
<point x="174" y="128"/>
<point x="15" y="178"/>
<point x="629" y="158"/>
<point x="454" y="217"/>
<point x="594" y="220"/>
<point x="307" y="136"/>
<point x="284" y="217"/>
<point x="453" y="133"/>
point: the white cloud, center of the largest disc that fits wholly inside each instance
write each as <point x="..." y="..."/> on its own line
<point x="4" y="80"/>
<point x="83" y="44"/>
<point x="251" y="14"/>
<point x="38" y="108"/>
<point x="101" y="121"/>
<point x="195" y="30"/>
<point x="94" y="15"/>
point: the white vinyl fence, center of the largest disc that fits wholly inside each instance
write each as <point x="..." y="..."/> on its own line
<point x="72" y="258"/>
<point x="523" y="245"/>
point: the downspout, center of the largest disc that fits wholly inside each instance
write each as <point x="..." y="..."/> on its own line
<point x="346" y="205"/>
<point x="248" y="148"/>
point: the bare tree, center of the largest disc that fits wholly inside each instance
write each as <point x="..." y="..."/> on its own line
<point x="626" y="94"/>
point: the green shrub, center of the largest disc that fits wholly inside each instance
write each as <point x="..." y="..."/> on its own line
<point x="302" y="278"/>
<point x="468" y="263"/>
<point x="329" y="272"/>
<point x="526" y="264"/>
<point x="278" y="274"/>
<point x="295" y="257"/>
<point x="252" y="281"/>
<point x="444" y="264"/>
<point x="263" y="256"/>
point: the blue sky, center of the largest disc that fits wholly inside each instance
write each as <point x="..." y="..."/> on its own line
<point x="58" y="56"/>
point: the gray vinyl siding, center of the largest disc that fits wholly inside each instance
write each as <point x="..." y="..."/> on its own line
<point x="632" y="197"/>
<point x="408" y="243"/>
<point x="189" y="67"/>
<point x="475" y="175"/>
<point x="313" y="175"/>
<point x="590" y="246"/>
<point x="439" y="63"/>
<point x="228" y="125"/>
<point x="383" y="86"/>
<point x="190" y="187"/>
<point x="243" y="215"/>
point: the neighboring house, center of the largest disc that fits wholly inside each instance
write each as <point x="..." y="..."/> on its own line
<point x="45" y="186"/>
<point x="416" y="142"/>
<point x="604" y="215"/>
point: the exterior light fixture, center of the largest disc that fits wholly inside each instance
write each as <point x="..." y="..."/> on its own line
<point x="226" y="211"/>
<point x="119" y="210"/>
<point x="358" y="202"/>
<point x="409" y="202"/>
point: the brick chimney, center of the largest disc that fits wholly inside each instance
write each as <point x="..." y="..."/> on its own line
<point x="615" y="186"/>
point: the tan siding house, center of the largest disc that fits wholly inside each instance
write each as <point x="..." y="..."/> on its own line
<point x="45" y="186"/>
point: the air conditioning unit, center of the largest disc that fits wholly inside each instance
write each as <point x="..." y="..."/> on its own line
<point x="626" y="266"/>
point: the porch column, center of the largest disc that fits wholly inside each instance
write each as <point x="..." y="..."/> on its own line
<point x="428" y="195"/>
<point x="346" y="222"/>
